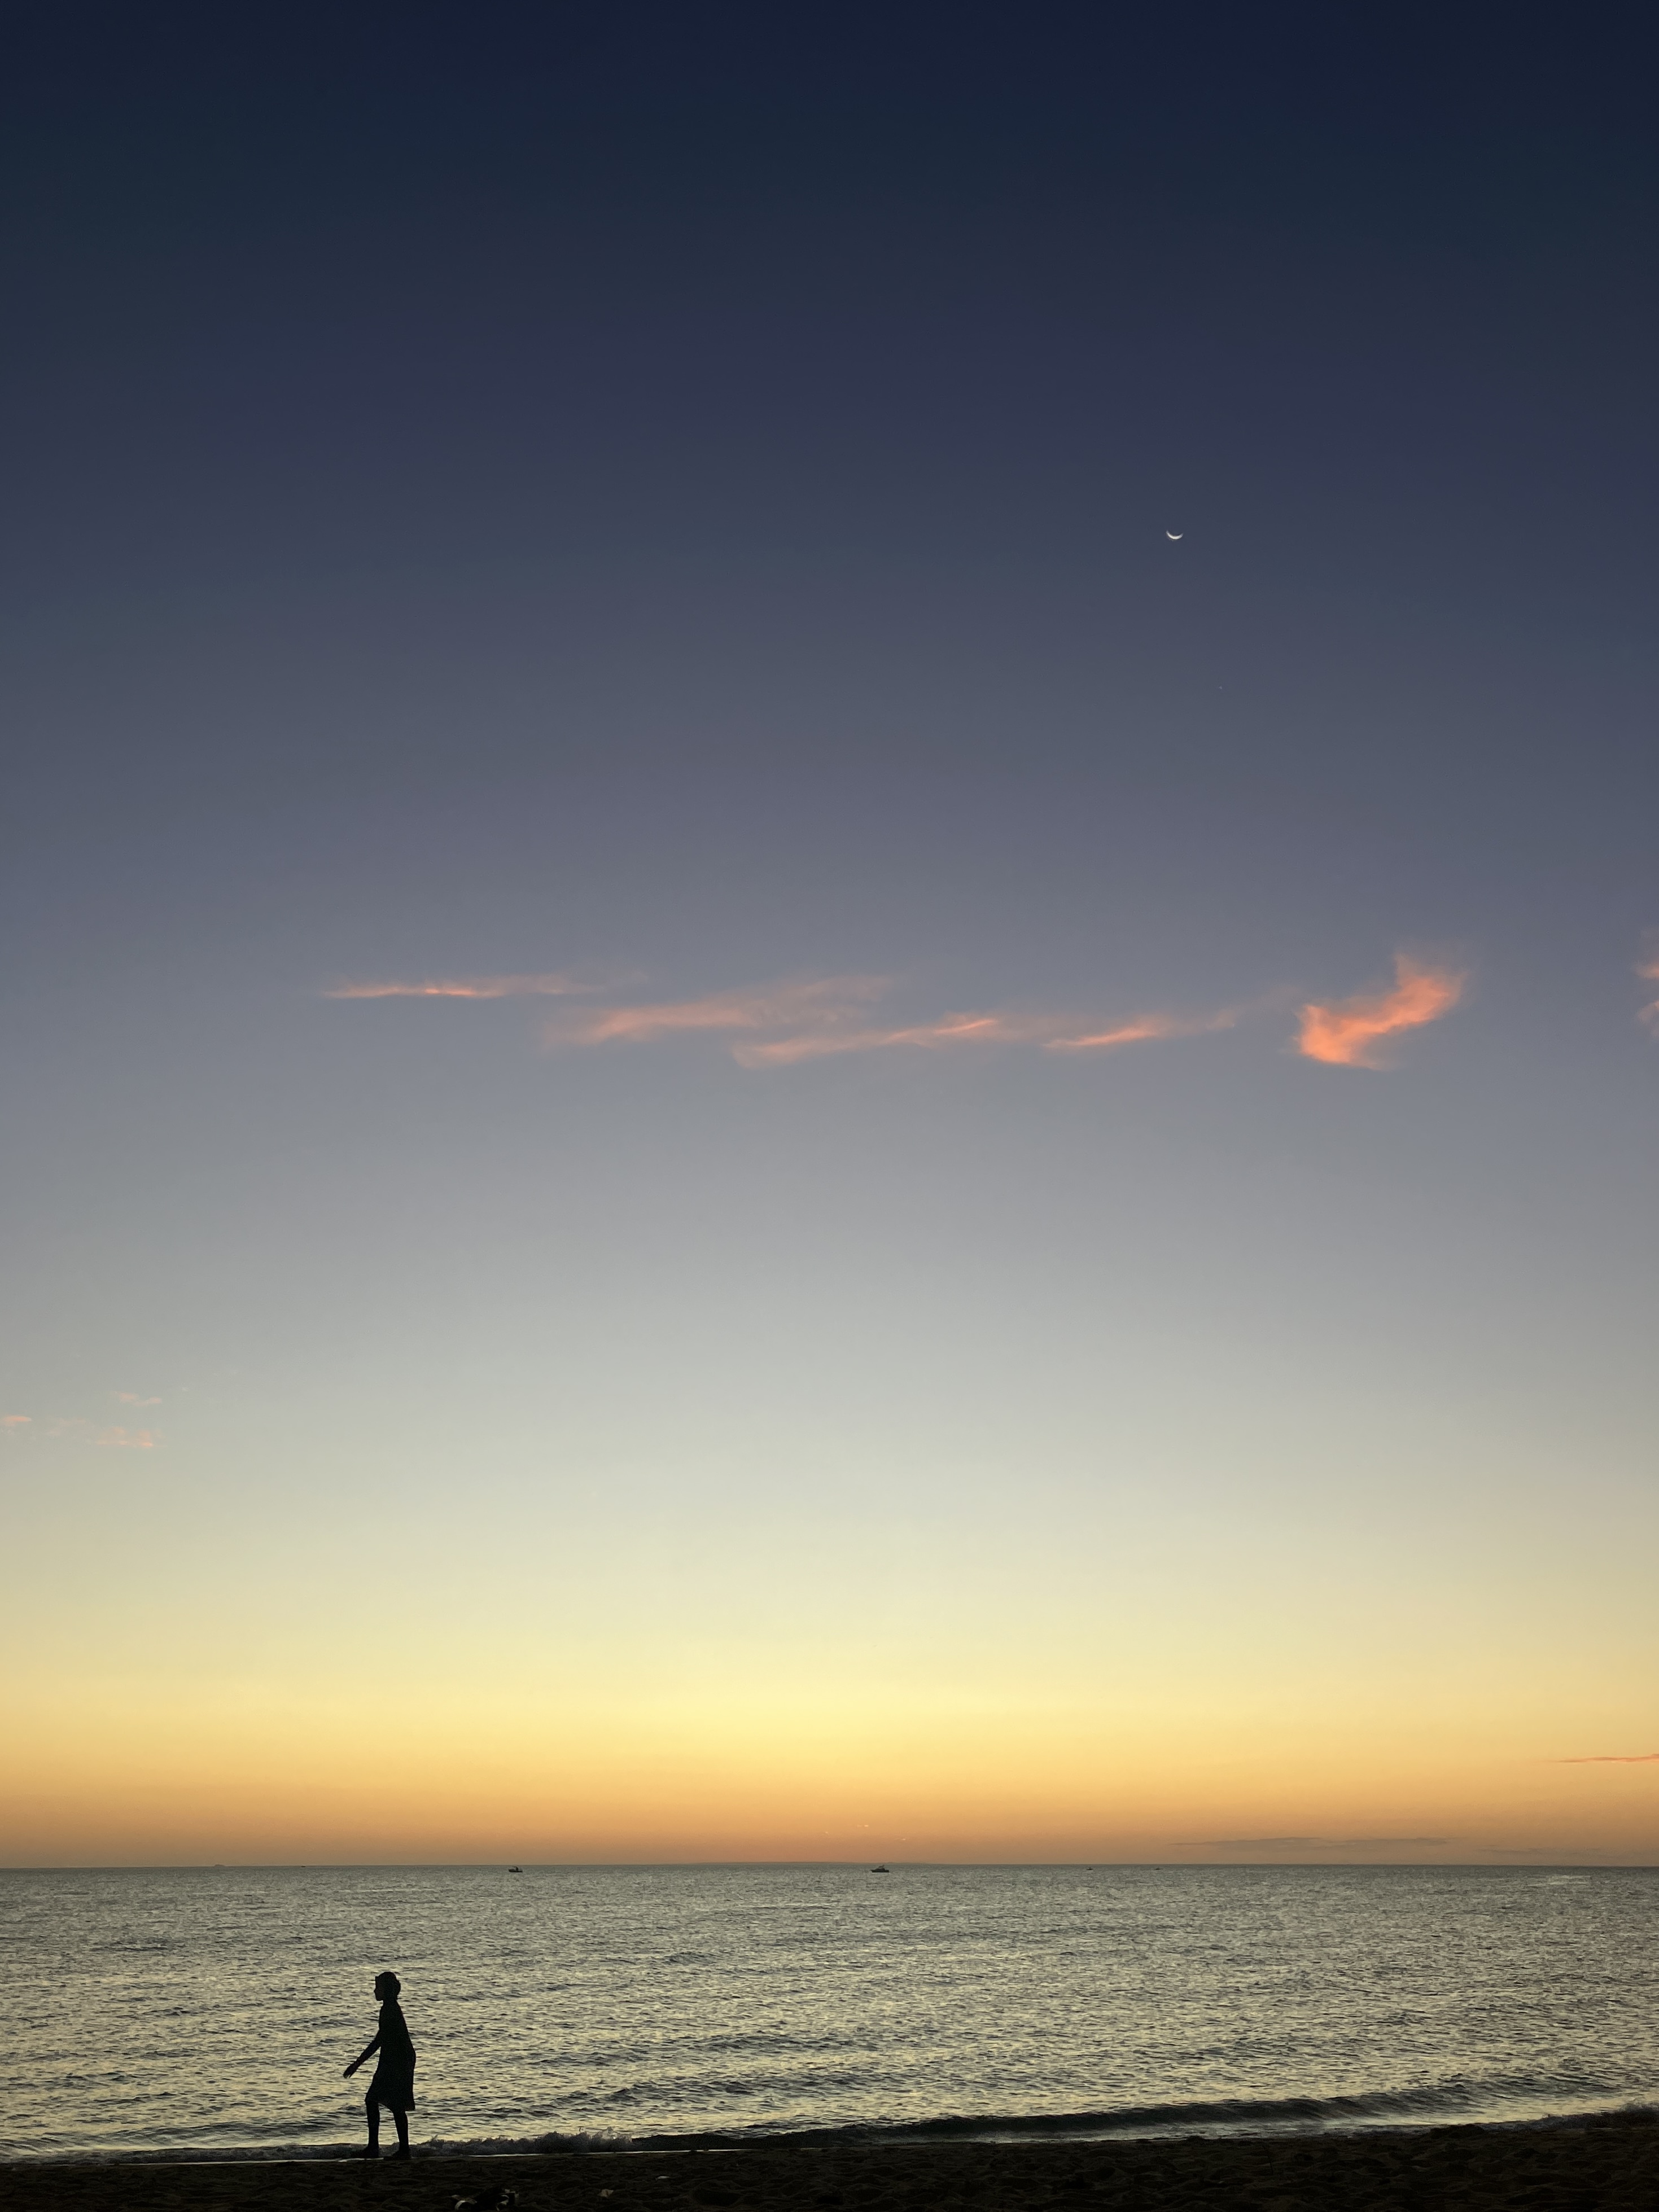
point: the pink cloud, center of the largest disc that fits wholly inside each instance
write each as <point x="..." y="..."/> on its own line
<point x="1359" y="1032"/>
<point x="1612" y="1758"/>
<point x="17" y="1421"/>
<point x="468" y="987"/>
<point x="128" y="1439"/>
<point x="131" y="1398"/>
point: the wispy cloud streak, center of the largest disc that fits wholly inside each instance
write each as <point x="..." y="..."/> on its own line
<point x="78" y="1430"/>
<point x="926" y="1036"/>
<point x="1362" y="1031"/>
<point x="823" y="1005"/>
<point x="468" y="987"/>
<point x="782" y="1023"/>
<point x="778" y="1025"/>
<point x="1050" y="1031"/>
<point x="1322" y="1842"/>
<point x="1611" y="1758"/>
<point x="1148" y="1028"/>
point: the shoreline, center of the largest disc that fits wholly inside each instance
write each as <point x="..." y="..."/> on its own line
<point x="1598" y="2162"/>
<point x="1077" y="2131"/>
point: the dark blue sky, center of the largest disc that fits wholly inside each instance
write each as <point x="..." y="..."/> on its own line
<point x="689" y="415"/>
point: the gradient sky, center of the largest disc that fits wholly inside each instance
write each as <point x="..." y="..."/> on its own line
<point x="737" y="1124"/>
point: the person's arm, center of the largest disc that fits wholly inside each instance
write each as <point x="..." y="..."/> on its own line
<point x="367" y="2053"/>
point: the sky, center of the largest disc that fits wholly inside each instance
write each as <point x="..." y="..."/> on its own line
<point x="828" y="935"/>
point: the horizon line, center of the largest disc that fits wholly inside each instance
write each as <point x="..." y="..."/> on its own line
<point x="1520" y="1858"/>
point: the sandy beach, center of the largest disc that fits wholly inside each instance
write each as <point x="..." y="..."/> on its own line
<point x="1577" y="2165"/>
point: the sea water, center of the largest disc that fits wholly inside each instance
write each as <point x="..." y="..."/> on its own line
<point x="213" y="2011"/>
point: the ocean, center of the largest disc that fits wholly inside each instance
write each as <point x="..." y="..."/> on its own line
<point x="212" y="2011"/>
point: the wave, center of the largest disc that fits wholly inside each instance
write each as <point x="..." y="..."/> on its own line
<point x="289" y="2153"/>
<point x="1236" y="2116"/>
<point x="1226" y="2115"/>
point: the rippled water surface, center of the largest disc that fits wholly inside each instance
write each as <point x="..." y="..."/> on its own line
<point x="208" y="2009"/>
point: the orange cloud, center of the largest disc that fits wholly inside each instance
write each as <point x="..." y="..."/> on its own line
<point x="1148" y="1027"/>
<point x="129" y="1439"/>
<point x="830" y="1016"/>
<point x="131" y="1398"/>
<point x="1359" y="1032"/>
<point x="467" y="987"/>
<point x="830" y="1003"/>
<point x="981" y="1029"/>
<point x="950" y="1029"/>
<point x="17" y="1421"/>
<point x="782" y="1024"/>
<point x="1612" y="1758"/>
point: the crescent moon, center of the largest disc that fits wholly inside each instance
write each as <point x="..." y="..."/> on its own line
<point x="1175" y="533"/>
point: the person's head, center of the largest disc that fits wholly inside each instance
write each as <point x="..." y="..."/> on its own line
<point x="388" y="1985"/>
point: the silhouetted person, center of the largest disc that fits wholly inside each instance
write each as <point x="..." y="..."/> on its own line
<point x="393" y="2085"/>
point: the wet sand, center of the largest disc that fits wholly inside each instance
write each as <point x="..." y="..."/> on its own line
<point x="1575" y="2165"/>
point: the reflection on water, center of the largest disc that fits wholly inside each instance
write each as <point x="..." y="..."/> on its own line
<point x="217" y="2008"/>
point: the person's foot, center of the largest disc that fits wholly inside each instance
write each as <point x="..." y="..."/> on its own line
<point x="403" y="2151"/>
<point x="374" y="2151"/>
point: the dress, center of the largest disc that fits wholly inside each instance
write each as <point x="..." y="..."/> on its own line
<point x="393" y="2085"/>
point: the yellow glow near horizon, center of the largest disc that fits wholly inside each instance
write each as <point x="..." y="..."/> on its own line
<point x="228" y="1771"/>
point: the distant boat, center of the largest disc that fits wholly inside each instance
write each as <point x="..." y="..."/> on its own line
<point x="515" y="1869"/>
<point x="881" y="1869"/>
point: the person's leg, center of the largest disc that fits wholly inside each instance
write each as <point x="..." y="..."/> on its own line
<point x="400" y="2121"/>
<point x="372" y="2106"/>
